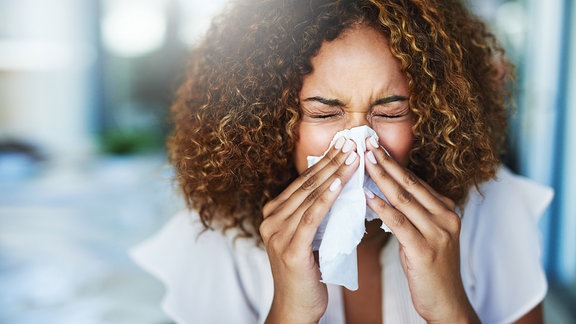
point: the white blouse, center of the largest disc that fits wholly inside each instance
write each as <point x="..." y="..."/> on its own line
<point x="214" y="278"/>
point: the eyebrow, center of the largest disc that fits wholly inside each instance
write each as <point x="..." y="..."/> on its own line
<point x="327" y="102"/>
<point x="383" y="101"/>
<point x="336" y="102"/>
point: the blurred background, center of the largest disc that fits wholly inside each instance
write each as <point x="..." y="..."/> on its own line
<point x="84" y="93"/>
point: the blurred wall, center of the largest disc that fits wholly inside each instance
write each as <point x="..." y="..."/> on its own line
<point x="46" y="52"/>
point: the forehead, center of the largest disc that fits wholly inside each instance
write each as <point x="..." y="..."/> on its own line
<point x="360" y="58"/>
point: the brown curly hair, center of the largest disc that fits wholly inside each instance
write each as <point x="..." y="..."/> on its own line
<point x="236" y="116"/>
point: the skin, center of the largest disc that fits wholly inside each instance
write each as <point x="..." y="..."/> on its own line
<point x="356" y="81"/>
<point x="343" y="91"/>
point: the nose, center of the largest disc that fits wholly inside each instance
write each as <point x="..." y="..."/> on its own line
<point x="356" y="119"/>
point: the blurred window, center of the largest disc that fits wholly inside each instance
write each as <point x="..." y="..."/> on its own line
<point x="144" y="46"/>
<point x="561" y="239"/>
<point x="540" y="38"/>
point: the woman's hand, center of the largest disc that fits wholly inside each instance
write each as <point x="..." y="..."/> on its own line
<point x="288" y="229"/>
<point x="427" y="229"/>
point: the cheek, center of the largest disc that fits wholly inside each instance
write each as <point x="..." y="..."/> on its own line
<point x="398" y="141"/>
<point x="312" y="140"/>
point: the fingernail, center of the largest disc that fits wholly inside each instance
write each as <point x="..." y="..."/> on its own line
<point x="388" y="154"/>
<point x="348" y="146"/>
<point x="370" y="156"/>
<point x="351" y="158"/>
<point x="369" y="193"/>
<point x="339" y="143"/>
<point x="373" y="141"/>
<point x="335" y="184"/>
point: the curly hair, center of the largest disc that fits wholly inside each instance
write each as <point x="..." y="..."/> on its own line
<point x="235" y="118"/>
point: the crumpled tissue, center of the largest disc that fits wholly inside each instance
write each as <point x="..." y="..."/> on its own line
<point x="344" y="226"/>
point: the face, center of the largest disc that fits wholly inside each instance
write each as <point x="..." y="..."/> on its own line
<point x="355" y="81"/>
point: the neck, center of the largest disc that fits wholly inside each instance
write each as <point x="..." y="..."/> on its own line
<point x="375" y="237"/>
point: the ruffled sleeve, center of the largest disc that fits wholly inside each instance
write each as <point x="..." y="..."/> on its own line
<point x="205" y="279"/>
<point x="501" y="247"/>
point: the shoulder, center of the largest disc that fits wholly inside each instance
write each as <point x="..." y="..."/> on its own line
<point x="507" y="206"/>
<point x="204" y="271"/>
<point x="509" y="192"/>
<point x="181" y="239"/>
<point x="501" y="246"/>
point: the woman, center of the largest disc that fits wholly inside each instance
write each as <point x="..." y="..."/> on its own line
<point x="270" y="85"/>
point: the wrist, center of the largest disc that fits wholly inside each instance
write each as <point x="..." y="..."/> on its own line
<point x="283" y="314"/>
<point x="468" y="317"/>
<point x="464" y="314"/>
<point x="459" y="311"/>
<point x="468" y="314"/>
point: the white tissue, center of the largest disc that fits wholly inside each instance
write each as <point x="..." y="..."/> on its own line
<point x="343" y="228"/>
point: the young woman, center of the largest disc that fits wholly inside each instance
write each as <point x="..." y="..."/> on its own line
<point x="271" y="84"/>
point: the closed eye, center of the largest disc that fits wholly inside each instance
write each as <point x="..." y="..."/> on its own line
<point x="394" y="114"/>
<point x="325" y="116"/>
<point x="320" y="108"/>
<point x="390" y="107"/>
<point x="389" y="116"/>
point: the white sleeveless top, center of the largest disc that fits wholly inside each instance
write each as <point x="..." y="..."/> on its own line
<point x="213" y="278"/>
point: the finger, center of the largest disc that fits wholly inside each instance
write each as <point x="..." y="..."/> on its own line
<point x="310" y="178"/>
<point x="313" y="215"/>
<point x="449" y="203"/>
<point x="318" y="196"/>
<point x="335" y="156"/>
<point x="404" y="230"/>
<point x="286" y="217"/>
<point x="399" y="197"/>
<point x="430" y="199"/>
<point x="304" y="190"/>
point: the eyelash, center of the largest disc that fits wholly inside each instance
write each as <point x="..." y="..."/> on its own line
<point x="333" y="115"/>
<point x="399" y="115"/>
<point x="389" y="116"/>
<point x="325" y="116"/>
